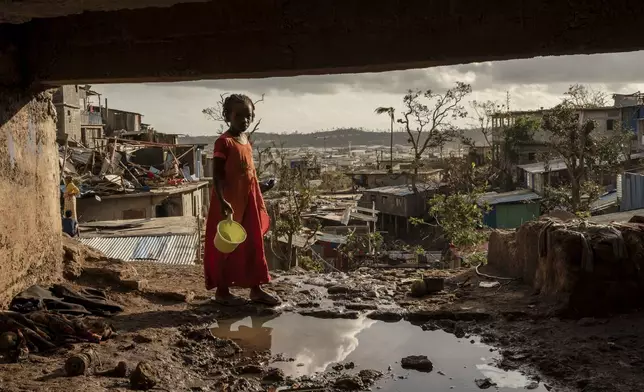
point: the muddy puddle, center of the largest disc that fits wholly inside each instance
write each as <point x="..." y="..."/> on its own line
<point x="311" y="346"/>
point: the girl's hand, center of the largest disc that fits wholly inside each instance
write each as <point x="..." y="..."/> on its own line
<point x="226" y="208"/>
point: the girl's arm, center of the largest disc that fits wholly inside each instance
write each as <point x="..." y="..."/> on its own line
<point x="219" y="174"/>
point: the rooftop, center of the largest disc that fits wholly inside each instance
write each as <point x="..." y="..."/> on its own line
<point x="172" y="240"/>
<point x="519" y="196"/>
<point x="402" y="190"/>
<point x="162" y="191"/>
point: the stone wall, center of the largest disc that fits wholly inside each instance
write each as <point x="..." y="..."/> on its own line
<point x="592" y="269"/>
<point x="30" y="239"/>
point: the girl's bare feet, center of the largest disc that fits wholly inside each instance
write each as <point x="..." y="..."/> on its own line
<point x="224" y="297"/>
<point x="258" y="295"/>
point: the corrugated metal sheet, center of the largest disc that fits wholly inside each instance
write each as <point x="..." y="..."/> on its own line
<point x="540" y="167"/>
<point x="521" y="196"/>
<point x="167" y="249"/>
<point x="632" y="192"/>
<point x="605" y="201"/>
<point x="402" y="190"/>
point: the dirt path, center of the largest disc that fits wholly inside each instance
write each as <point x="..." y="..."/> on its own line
<point x="168" y="314"/>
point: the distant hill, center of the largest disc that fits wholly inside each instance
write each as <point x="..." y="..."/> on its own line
<point x="336" y="138"/>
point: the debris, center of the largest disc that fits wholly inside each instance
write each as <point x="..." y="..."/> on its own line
<point x="120" y="371"/>
<point x="8" y="341"/>
<point x="369" y="376"/>
<point x="417" y="362"/>
<point x="484" y="383"/>
<point x="489" y="285"/>
<point x="143" y="377"/>
<point x="274" y="375"/>
<point x="331" y="314"/>
<point x="532" y="385"/>
<point x="349" y="383"/>
<point x="80" y="364"/>
<point x="434" y="285"/>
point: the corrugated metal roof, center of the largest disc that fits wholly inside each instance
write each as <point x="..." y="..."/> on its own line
<point x="605" y="201"/>
<point x="402" y="190"/>
<point x="520" y="196"/>
<point x="166" y="249"/>
<point x="331" y="238"/>
<point x="540" y="167"/>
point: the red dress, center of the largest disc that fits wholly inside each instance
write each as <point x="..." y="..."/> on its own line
<point x="246" y="266"/>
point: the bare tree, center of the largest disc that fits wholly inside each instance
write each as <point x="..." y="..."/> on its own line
<point x="215" y="113"/>
<point x="580" y="96"/>
<point x="428" y="120"/>
<point x="483" y="114"/>
<point x="390" y="112"/>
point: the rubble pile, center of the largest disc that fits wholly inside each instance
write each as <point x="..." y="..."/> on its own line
<point x="109" y="169"/>
<point x="591" y="268"/>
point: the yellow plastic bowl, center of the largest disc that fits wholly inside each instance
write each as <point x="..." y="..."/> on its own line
<point x="229" y="235"/>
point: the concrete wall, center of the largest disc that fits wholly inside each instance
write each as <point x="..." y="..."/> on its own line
<point x="141" y="207"/>
<point x="30" y="228"/>
<point x="118" y="208"/>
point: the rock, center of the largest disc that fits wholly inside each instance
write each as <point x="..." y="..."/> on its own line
<point x="417" y="362"/>
<point x="434" y="285"/>
<point x="338" y="367"/>
<point x="175" y="296"/>
<point x="369" y="376"/>
<point x="119" y="371"/>
<point x="386" y="315"/>
<point x="532" y="385"/>
<point x="484" y="383"/>
<point x="339" y="289"/>
<point x="459" y="331"/>
<point x="331" y="314"/>
<point x="250" y="369"/>
<point x="349" y="383"/>
<point x="349" y="365"/>
<point x="143" y="377"/>
<point x="141" y="339"/>
<point x="587" y="322"/>
<point x="308" y="304"/>
<point x="418" y="288"/>
<point x="134" y="284"/>
<point x="274" y="375"/>
<point x="360" y="306"/>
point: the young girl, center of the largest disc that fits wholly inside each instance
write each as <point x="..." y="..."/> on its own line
<point x="237" y="192"/>
<point x="71" y="191"/>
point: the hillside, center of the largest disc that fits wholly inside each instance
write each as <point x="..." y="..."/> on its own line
<point x="336" y="138"/>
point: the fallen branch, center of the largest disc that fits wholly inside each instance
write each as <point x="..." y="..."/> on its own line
<point x="490" y="276"/>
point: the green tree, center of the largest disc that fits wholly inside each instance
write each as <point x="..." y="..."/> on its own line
<point x="460" y="216"/>
<point x="296" y="198"/>
<point x="586" y="151"/>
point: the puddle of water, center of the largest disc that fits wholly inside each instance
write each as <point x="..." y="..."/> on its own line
<point x="317" y="344"/>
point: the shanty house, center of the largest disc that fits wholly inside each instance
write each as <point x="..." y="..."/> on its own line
<point x="510" y="210"/>
<point x="169" y="201"/>
<point x="397" y="204"/>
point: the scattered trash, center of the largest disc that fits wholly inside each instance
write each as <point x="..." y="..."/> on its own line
<point x="489" y="285"/>
<point x="80" y="364"/>
<point x="349" y="383"/>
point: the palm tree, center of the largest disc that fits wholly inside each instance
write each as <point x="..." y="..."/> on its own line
<point x="390" y="112"/>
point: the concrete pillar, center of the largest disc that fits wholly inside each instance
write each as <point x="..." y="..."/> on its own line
<point x="30" y="228"/>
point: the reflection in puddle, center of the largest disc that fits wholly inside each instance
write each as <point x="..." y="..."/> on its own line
<point x="316" y="344"/>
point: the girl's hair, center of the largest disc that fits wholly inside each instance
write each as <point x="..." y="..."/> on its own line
<point x="231" y="100"/>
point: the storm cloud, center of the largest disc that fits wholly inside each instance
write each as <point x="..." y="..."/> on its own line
<point x="615" y="70"/>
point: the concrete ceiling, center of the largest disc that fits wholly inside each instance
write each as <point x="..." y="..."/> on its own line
<point x="25" y="10"/>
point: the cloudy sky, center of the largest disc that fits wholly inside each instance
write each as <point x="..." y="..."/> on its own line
<point x="310" y="103"/>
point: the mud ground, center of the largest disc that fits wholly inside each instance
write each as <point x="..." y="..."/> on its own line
<point x="168" y="313"/>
